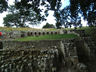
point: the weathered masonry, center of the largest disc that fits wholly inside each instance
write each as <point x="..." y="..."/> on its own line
<point x="66" y="55"/>
<point x="42" y="56"/>
<point x="19" y="34"/>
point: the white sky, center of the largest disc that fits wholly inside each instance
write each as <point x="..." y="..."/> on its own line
<point x="50" y="18"/>
<point x="2" y="15"/>
<point x="1" y="18"/>
<point x="65" y="3"/>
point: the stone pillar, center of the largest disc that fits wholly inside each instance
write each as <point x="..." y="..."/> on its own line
<point x="61" y="32"/>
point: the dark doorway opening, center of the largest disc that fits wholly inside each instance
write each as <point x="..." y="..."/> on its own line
<point x="52" y="33"/>
<point x="1" y="45"/>
<point x="22" y="35"/>
<point x="29" y="33"/>
<point x="47" y="33"/>
<point x="39" y="33"/>
<point x="43" y="33"/>
<point x="56" y="33"/>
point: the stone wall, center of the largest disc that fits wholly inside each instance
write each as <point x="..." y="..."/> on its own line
<point x="20" y="34"/>
<point x="11" y="34"/>
<point x="40" y="56"/>
<point x="28" y="60"/>
<point x="80" y="33"/>
<point x="30" y="44"/>
<point x="88" y="55"/>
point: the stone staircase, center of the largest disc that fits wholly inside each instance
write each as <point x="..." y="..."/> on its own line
<point x="71" y="57"/>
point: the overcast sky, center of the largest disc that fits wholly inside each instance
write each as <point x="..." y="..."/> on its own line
<point x="50" y="18"/>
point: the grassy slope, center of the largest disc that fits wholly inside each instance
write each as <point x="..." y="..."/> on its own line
<point x="47" y="37"/>
<point x="16" y="29"/>
<point x="25" y="29"/>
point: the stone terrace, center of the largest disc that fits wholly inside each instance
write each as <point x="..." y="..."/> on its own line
<point x="59" y="56"/>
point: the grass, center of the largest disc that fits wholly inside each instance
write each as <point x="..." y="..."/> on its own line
<point x="16" y="29"/>
<point x="48" y="37"/>
<point x="26" y="29"/>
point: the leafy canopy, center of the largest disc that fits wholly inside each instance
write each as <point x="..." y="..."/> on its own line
<point x="85" y="8"/>
<point x="48" y="26"/>
<point x="15" y="18"/>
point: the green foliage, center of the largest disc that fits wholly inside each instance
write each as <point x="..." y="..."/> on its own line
<point x="58" y="25"/>
<point x="48" y="26"/>
<point x="11" y="20"/>
<point x="87" y="9"/>
<point x="48" y="37"/>
<point x="15" y="18"/>
<point x="3" y="5"/>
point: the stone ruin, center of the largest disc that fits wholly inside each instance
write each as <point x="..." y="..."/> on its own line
<point x="51" y="56"/>
<point x="20" y="34"/>
<point x="67" y="55"/>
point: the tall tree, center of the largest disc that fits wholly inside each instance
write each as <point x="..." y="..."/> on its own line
<point x="86" y="7"/>
<point x="66" y="17"/>
<point x="15" y="18"/>
<point x="11" y="20"/>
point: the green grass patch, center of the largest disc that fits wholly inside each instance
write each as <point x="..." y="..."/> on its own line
<point x="47" y="37"/>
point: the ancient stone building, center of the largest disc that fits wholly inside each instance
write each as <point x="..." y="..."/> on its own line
<point x="19" y="34"/>
<point x="66" y="55"/>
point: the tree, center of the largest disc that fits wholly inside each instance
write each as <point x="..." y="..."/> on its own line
<point x="48" y="26"/>
<point x="3" y="5"/>
<point x="15" y="18"/>
<point x="66" y="19"/>
<point x="76" y="6"/>
<point x="88" y="9"/>
<point x="10" y="20"/>
<point x="58" y="25"/>
<point x="85" y="7"/>
<point x="92" y="18"/>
